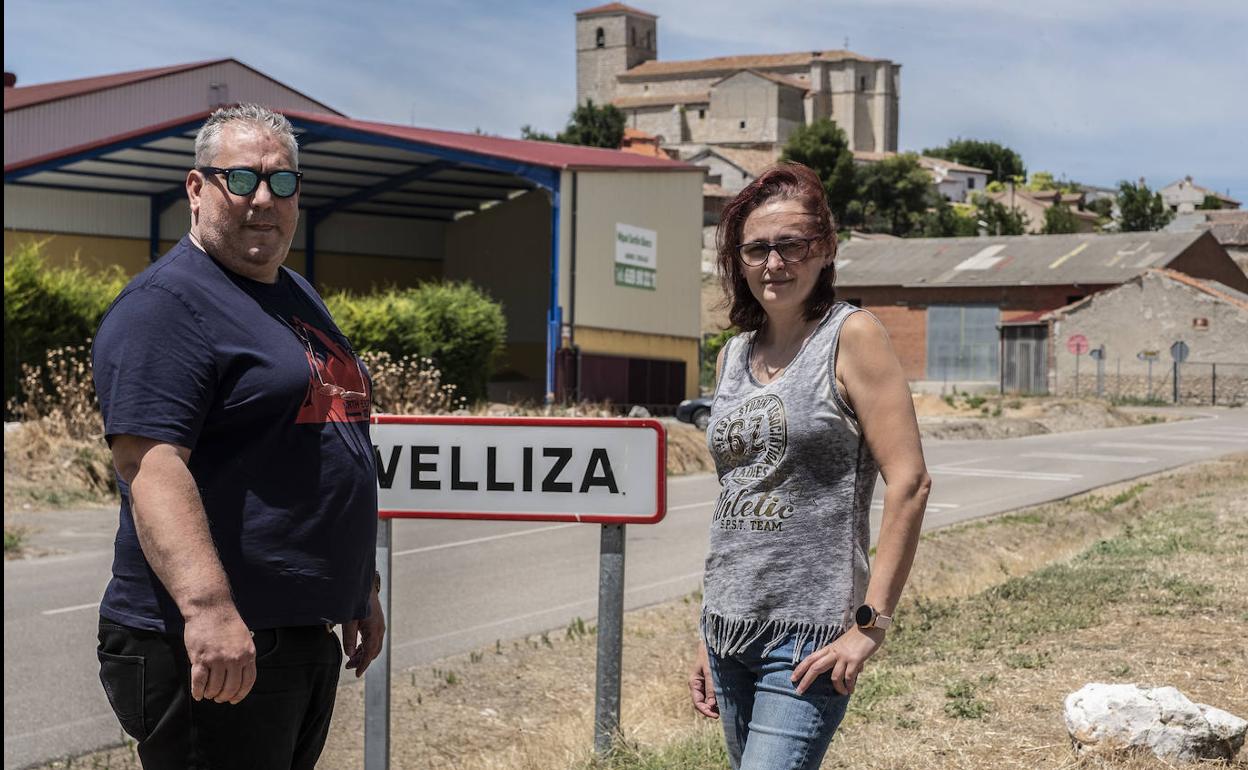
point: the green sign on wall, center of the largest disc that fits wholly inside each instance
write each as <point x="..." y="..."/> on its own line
<point x="636" y="263"/>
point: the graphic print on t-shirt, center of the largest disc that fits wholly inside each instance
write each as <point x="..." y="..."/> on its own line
<point x="753" y="438"/>
<point x="337" y="389"/>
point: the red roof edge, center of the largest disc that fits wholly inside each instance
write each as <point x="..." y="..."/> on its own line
<point x="615" y="8"/>
<point x="62" y="89"/>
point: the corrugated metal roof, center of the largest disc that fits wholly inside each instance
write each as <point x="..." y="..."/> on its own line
<point x="1084" y="258"/>
<point x="27" y="96"/>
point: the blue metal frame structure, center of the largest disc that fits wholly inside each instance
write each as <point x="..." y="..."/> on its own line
<point x="311" y="134"/>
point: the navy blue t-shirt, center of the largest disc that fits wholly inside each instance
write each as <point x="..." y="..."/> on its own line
<point x="257" y="381"/>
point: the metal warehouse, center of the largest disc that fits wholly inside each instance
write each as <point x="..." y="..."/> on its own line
<point x="594" y="254"/>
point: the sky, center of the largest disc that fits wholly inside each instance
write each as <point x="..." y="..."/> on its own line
<point x="1095" y="91"/>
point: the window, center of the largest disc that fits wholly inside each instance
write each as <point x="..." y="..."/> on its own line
<point x="742" y="124"/>
<point x="632" y="35"/>
<point x="862" y="82"/>
<point x="650" y="40"/>
<point x="600" y="38"/>
<point x="970" y="183"/>
<point x="963" y="342"/>
<point x="701" y="114"/>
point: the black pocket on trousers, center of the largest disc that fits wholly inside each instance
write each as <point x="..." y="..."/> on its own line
<point x="122" y="677"/>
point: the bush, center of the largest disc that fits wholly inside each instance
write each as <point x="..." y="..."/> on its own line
<point x="711" y="345"/>
<point x="455" y="324"/>
<point x="48" y="307"/>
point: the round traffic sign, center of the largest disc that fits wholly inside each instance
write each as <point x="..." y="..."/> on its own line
<point x="1179" y="351"/>
<point x="1077" y="344"/>
<point x="1098" y="353"/>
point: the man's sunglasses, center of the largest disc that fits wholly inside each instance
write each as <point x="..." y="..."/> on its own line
<point x="244" y="181"/>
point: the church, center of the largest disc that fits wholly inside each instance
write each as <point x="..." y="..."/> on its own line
<point x="750" y="101"/>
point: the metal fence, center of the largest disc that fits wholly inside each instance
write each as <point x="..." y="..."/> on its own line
<point x="1197" y="382"/>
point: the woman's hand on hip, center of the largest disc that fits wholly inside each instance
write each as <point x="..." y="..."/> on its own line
<point x="843" y="659"/>
<point x="702" y="686"/>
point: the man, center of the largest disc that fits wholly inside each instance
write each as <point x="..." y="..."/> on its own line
<point x="238" y="418"/>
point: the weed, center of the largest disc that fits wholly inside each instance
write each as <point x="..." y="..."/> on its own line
<point x="1119" y="670"/>
<point x="949" y="400"/>
<point x="975" y="402"/>
<point x="577" y="629"/>
<point x="1028" y="660"/>
<point x="475" y="657"/>
<point x="14" y="539"/>
<point x="877" y="684"/>
<point x="962" y="701"/>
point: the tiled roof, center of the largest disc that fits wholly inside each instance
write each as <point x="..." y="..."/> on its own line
<point x="28" y="96"/>
<point x="627" y="102"/>
<point x="753" y="162"/>
<point x="926" y="162"/>
<point x="781" y="79"/>
<point x="1229" y="227"/>
<point x="726" y="64"/>
<point x="1212" y="288"/>
<point x="614" y="8"/>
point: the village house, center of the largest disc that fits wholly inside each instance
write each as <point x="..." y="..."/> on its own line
<point x="1185" y="196"/>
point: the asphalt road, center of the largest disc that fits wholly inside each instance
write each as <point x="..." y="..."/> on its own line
<point x="462" y="585"/>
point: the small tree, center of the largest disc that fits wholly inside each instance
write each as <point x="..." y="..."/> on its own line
<point x="1210" y="203"/>
<point x="1059" y="219"/>
<point x="1141" y="209"/>
<point x="946" y="221"/>
<point x="589" y="125"/>
<point x="895" y="194"/>
<point x="999" y="219"/>
<point x="823" y="147"/>
<point x="1102" y="207"/>
<point x="1004" y="163"/>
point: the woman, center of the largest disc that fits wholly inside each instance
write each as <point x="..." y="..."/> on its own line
<point x="810" y="404"/>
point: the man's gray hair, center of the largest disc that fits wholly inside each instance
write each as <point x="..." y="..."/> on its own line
<point x="208" y="140"/>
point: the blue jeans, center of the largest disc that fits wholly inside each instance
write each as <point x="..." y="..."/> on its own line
<point x="767" y="725"/>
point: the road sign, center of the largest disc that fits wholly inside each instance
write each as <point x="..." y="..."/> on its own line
<point x="1179" y="351"/>
<point x="1077" y="344"/>
<point x="595" y="470"/>
<point x="1148" y="355"/>
<point x="1097" y="353"/>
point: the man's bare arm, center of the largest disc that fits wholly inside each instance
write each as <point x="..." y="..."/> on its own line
<point x="173" y="531"/>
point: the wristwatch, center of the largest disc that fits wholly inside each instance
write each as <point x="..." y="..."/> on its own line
<point x="866" y="616"/>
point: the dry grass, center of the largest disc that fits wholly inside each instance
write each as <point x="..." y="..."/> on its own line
<point x="1137" y="583"/>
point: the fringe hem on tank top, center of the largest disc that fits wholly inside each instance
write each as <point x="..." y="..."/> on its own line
<point x="726" y="636"/>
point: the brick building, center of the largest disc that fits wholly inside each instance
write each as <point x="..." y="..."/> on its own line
<point x="943" y="300"/>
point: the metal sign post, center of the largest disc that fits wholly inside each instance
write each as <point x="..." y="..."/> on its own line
<point x="610" y="637"/>
<point x="1098" y="355"/>
<point x="599" y="471"/>
<point x="1178" y="351"/>
<point x="377" y="678"/>
<point x="1150" y="356"/>
<point x="1077" y="344"/>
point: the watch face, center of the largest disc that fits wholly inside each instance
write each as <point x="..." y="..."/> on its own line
<point x="864" y="615"/>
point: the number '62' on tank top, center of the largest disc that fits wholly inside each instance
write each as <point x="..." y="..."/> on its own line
<point x="791" y="528"/>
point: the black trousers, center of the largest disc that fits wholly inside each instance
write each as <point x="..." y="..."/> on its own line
<point x="282" y="723"/>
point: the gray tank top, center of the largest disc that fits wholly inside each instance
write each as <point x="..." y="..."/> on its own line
<point x="791" y="528"/>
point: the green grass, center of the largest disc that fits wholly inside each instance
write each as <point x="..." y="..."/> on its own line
<point x="703" y="751"/>
<point x="14" y="538"/>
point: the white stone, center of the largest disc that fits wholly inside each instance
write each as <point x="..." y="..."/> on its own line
<point x="1113" y="717"/>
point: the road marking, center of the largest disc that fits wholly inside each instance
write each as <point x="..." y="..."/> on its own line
<point x="1004" y="474"/>
<point x="1160" y="447"/>
<point x="1092" y="458"/>
<point x="687" y="506"/>
<point x="491" y="538"/>
<point x="75" y="608"/>
<point x="538" y="613"/>
<point x="486" y="539"/>
<point x="1191" y="437"/>
<point x="931" y="507"/>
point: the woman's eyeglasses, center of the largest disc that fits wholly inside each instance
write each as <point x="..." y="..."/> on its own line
<point x="791" y="250"/>
<point x="244" y="181"/>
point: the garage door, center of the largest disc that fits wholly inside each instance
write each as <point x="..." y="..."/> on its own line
<point x="962" y="342"/>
